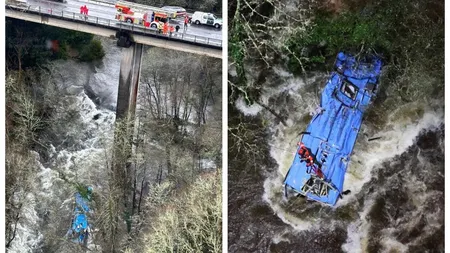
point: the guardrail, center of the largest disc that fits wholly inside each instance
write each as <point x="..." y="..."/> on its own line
<point x="103" y="2"/>
<point x="117" y="25"/>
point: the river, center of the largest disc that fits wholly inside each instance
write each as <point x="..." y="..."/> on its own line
<point x="396" y="202"/>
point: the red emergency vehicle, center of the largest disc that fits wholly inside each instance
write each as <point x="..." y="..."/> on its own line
<point x="142" y="15"/>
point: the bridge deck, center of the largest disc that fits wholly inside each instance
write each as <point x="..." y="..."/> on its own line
<point x="108" y="28"/>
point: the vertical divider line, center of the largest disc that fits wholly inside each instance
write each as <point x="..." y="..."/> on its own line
<point x="224" y="44"/>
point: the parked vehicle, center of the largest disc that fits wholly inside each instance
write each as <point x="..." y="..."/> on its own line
<point x="204" y="18"/>
<point x="143" y="15"/>
<point x="179" y="11"/>
<point x="20" y="3"/>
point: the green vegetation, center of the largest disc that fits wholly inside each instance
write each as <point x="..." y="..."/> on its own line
<point x="30" y="44"/>
<point x="93" y="51"/>
<point x="347" y="31"/>
<point x="402" y="31"/>
<point x="237" y="53"/>
<point x="245" y="46"/>
<point x="83" y="190"/>
<point x="409" y="35"/>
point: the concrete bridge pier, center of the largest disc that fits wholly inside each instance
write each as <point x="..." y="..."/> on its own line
<point x="130" y="70"/>
<point x="123" y="175"/>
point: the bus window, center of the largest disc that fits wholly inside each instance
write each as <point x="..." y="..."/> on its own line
<point x="349" y="89"/>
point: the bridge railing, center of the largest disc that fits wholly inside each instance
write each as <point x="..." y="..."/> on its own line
<point x="90" y="19"/>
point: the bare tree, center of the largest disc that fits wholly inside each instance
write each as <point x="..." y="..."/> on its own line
<point x="22" y="122"/>
<point x="176" y="93"/>
<point x="178" y="121"/>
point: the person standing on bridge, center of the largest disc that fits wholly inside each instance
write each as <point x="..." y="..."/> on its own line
<point x="186" y="21"/>
<point x="83" y="10"/>
<point x="86" y="10"/>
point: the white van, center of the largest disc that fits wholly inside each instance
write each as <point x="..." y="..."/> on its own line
<point x="206" y="19"/>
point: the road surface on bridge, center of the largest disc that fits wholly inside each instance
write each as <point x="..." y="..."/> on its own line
<point x="108" y="11"/>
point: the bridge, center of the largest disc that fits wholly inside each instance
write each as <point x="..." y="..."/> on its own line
<point x="186" y="42"/>
<point x="129" y="36"/>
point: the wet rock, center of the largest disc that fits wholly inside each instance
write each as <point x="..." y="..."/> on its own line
<point x="96" y="116"/>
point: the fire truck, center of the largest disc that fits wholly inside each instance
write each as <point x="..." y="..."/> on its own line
<point x="139" y="14"/>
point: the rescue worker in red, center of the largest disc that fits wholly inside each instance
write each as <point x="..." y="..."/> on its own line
<point x="165" y="28"/>
<point x="303" y="151"/>
<point x="83" y="10"/>
<point x="310" y="163"/>
<point x="186" y="21"/>
<point x="304" y="154"/>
